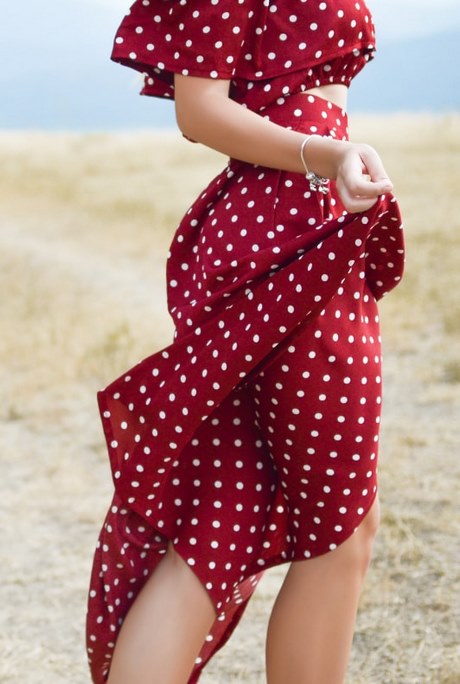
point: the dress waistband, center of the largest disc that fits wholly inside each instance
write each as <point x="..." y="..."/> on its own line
<point x="309" y="113"/>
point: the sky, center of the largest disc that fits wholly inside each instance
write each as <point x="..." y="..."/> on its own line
<point x="396" y="19"/>
<point x="57" y="73"/>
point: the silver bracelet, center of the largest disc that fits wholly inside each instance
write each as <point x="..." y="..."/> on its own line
<point x="317" y="183"/>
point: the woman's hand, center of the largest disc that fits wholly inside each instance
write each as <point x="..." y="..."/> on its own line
<point x="357" y="169"/>
<point x="361" y="177"/>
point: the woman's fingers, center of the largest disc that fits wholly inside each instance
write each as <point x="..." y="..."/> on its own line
<point x="354" y="203"/>
<point x="374" y="167"/>
<point x="361" y="179"/>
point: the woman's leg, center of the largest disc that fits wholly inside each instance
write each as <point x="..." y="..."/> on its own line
<point x="311" y="626"/>
<point x="165" y="627"/>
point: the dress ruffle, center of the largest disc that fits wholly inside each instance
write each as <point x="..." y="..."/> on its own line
<point x="248" y="40"/>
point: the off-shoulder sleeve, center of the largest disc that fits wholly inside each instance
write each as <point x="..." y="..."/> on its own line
<point x="203" y="38"/>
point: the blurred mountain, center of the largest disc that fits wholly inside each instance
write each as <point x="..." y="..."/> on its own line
<point x="414" y="75"/>
<point x="58" y="75"/>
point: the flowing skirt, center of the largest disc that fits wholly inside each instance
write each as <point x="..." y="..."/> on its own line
<point x="251" y="440"/>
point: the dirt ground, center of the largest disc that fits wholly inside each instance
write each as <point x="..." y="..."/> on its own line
<point x="85" y="225"/>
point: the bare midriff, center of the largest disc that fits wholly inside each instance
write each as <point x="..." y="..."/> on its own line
<point x="335" y="92"/>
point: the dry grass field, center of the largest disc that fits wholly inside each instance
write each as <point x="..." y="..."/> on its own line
<point x="85" y="225"/>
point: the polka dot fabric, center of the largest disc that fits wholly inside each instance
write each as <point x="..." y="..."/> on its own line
<point x="267" y="48"/>
<point x="253" y="438"/>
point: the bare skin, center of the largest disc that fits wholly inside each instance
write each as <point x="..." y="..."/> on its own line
<point x="165" y="627"/>
<point x="312" y="622"/>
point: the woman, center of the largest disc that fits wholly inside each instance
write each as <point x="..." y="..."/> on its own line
<point x="252" y="439"/>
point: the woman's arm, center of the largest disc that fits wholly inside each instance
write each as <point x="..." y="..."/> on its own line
<point x="205" y="113"/>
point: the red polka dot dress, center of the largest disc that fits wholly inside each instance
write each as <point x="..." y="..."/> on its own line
<point x="251" y="440"/>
